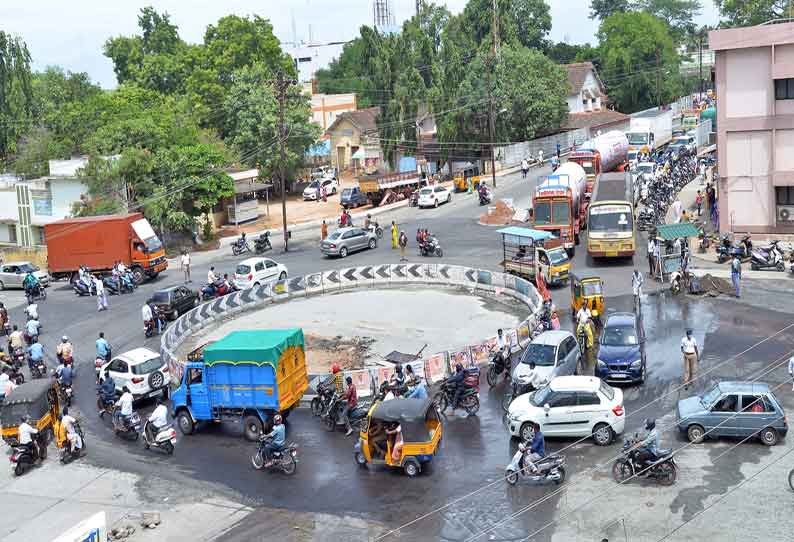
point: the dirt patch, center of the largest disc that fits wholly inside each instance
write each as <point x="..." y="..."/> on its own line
<point x="502" y="215"/>
<point x="348" y="352"/>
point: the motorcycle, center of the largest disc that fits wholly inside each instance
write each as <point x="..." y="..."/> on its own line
<point x="68" y="454"/>
<point x="262" y="243"/>
<point x="112" y="286"/>
<point x="128" y="284"/>
<point x="768" y="257"/>
<point x="105" y="404"/>
<point x="129" y="428"/>
<point x="211" y="291"/>
<point x="155" y="325"/>
<point x="470" y="398"/>
<point x="39" y="370"/>
<point x="663" y="469"/>
<point x="285" y="459"/>
<point x="333" y="414"/>
<point x="375" y="228"/>
<point x="325" y="394"/>
<point x="165" y="438"/>
<point x="36" y="293"/>
<point x="485" y="197"/>
<point x="430" y="247"/>
<point x="66" y="394"/>
<point x="81" y="288"/>
<point x="549" y="469"/>
<point x="496" y="366"/>
<point x="240" y="245"/>
<point x="24" y="458"/>
<point x="19" y="358"/>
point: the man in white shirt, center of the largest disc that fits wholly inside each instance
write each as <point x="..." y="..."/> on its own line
<point x="146" y="314"/>
<point x="689" y="348"/>
<point x="211" y="276"/>
<point x="524" y="168"/>
<point x="71" y="435"/>
<point x="157" y="420"/>
<point x="677" y="208"/>
<point x="32" y="311"/>
<point x="791" y="371"/>
<point x="185" y="261"/>
<point x="501" y="343"/>
<point x="101" y="296"/>
<point x="26" y="432"/>
<point x="125" y="404"/>
<point x="583" y="315"/>
<point x="636" y="284"/>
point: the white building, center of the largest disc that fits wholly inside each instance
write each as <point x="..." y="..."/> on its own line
<point x="26" y="206"/>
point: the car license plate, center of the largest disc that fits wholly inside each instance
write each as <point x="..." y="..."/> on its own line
<point x="156" y="393"/>
<point x="612" y="252"/>
<point x="619" y="376"/>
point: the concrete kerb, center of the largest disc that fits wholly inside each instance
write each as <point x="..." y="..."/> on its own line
<point x="402" y="274"/>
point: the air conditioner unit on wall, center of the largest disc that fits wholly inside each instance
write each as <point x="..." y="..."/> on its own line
<point x="785" y="213"/>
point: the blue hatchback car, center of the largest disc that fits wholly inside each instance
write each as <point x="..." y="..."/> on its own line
<point x="621" y="353"/>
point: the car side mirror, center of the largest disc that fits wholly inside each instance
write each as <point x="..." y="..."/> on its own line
<point x="546" y="408"/>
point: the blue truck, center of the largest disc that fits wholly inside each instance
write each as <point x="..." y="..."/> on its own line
<point x="248" y="376"/>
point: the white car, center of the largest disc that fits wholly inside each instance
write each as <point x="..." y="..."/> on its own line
<point x="253" y="272"/>
<point x="331" y="188"/>
<point x="649" y="169"/>
<point x="433" y="196"/>
<point x="570" y="406"/>
<point x="555" y="353"/>
<point x="141" y="370"/>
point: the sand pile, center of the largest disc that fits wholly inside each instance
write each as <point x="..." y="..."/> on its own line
<point x="348" y="352"/>
<point x="502" y="215"/>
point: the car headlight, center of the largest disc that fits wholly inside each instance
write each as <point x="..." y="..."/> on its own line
<point x="601" y="364"/>
<point x="636" y="364"/>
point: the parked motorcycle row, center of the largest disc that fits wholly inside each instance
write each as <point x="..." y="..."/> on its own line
<point x="659" y="192"/>
<point x="770" y="256"/>
<point x="261" y="244"/>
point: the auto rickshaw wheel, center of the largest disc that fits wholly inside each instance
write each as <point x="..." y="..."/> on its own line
<point x="361" y="461"/>
<point x="412" y="467"/>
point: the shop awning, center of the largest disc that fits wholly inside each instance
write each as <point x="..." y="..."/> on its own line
<point x="669" y="232"/>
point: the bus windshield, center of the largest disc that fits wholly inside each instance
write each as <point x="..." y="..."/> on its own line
<point x="610" y="218"/>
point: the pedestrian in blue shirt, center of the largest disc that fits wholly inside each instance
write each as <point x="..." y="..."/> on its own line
<point x="102" y="347"/>
<point x="36" y="353"/>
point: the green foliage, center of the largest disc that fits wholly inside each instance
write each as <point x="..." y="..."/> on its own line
<point x="16" y="92"/>
<point x="524" y="22"/>
<point x="637" y="52"/>
<point x="35" y="149"/>
<point x="565" y="53"/>
<point x="601" y="9"/>
<point x="749" y="13"/>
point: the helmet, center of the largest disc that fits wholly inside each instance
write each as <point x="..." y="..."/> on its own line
<point x="277" y="419"/>
<point x="459" y="367"/>
<point x="650" y="424"/>
<point x="65" y="339"/>
<point x="335" y="368"/>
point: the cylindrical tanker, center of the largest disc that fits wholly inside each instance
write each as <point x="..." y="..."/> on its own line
<point x="612" y="148"/>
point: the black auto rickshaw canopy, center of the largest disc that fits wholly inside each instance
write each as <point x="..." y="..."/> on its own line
<point x="411" y="414"/>
<point x="34" y="398"/>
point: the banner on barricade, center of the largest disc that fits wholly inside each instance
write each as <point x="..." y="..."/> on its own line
<point x="383" y="374"/>
<point x="480" y="352"/>
<point x="435" y="367"/>
<point x="418" y="366"/>
<point x="361" y="380"/>
<point x="511" y="336"/>
<point x="459" y="356"/>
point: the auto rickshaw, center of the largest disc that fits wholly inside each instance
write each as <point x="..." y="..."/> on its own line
<point x="421" y="432"/>
<point x="462" y="176"/>
<point x="526" y="251"/>
<point x="587" y="291"/>
<point x="37" y="399"/>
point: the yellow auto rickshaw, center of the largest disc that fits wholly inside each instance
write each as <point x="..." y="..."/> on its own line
<point x="589" y="292"/>
<point x="463" y="176"/>
<point x="420" y="429"/>
<point x="37" y="399"/>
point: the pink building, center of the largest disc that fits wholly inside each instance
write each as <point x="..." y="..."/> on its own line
<point x="754" y="69"/>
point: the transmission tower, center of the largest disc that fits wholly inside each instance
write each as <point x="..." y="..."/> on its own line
<point x="382" y="13"/>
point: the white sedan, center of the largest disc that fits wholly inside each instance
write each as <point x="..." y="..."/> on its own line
<point x="310" y="192"/>
<point x="433" y="196"/>
<point x="254" y="272"/>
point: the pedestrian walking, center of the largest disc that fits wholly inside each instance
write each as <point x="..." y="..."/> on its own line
<point x="524" y="168"/>
<point x="403" y="241"/>
<point x="323" y="231"/>
<point x="558" y="151"/>
<point x="791" y="371"/>
<point x="689" y="348"/>
<point x="715" y="212"/>
<point x="699" y="202"/>
<point x="651" y="246"/>
<point x="677" y="207"/>
<point x="101" y="295"/>
<point x="324" y="192"/>
<point x="736" y="275"/>
<point x="540" y="157"/>
<point x="317" y="196"/>
<point x="636" y="286"/>
<point x="394" y="234"/>
<point x="186" y="265"/>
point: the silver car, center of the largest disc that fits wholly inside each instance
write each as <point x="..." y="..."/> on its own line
<point x="13" y="273"/>
<point x="343" y="241"/>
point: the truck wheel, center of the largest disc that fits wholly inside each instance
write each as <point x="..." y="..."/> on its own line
<point x="252" y="427"/>
<point x="137" y="274"/>
<point x="185" y="423"/>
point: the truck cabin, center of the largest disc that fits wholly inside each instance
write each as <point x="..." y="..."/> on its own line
<point x="590" y="162"/>
<point x="640" y="140"/>
<point x="552" y="211"/>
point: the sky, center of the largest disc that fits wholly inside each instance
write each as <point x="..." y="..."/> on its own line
<point x="71" y="34"/>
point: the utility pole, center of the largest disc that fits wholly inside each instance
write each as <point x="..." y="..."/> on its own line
<point x="418" y="6"/>
<point x="491" y="72"/>
<point x="658" y="77"/>
<point x="282" y="83"/>
<point x="700" y="61"/>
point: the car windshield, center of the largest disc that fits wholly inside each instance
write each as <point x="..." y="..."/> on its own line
<point x="313" y="184"/>
<point x="591" y="288"/>
<point x="27" y="268"/>
<point x="243" y="269"/>
<point x="160" y="297"/>
<point x="426" y="191"/>
<point x="619" y="336"/>
<point x="153" y="244"/>
<point x="148" y="366"/>
<point x="541" y="354"/>
<point x="710" y="397"/>
<point x="540" y="397"/>
<point x="347" y="192"/>
<point x="645" y="168"/>
<point x="638" y="138"/>
<point x="613" y="218"/>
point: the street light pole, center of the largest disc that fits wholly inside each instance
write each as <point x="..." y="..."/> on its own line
<point x="282" y="84"/>
<point x="492" y="68"/>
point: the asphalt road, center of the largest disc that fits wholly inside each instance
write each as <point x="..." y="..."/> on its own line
<point x="475" y="450"/>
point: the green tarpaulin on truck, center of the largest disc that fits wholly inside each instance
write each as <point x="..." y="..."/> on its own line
<point x="257" y="346"/>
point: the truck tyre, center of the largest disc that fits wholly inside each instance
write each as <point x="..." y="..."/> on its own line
<point x="252" y="427"/>
<point x="137" y="274"/>
<point x="185" y="423"/>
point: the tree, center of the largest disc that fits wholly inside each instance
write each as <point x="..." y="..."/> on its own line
<point x="639" y="64"/>
<point x="746" y="13"/>
<point x="16" y="92"/>
<point x="565" y="53"/>
<point x="35" y="149"/>
<point x="601" y="9"/>
<point x="679" y="14"/>
<point x="524" y="22"/>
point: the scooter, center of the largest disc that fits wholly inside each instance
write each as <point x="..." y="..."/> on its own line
<point x="165" y="438"/>
<point x="768" y="257"/>
<point x="549" y="469"/>
<point x="128" y="429"/>
<point x="81" y="288"/>
<point x="262" y="243"/>
<point x="430" y="247"/>
<point x="37" y="293"/>
<point x="375" y="228"/>
<point x="112" y="286"/>
<point x="485" y="197"/>
<point x="332" y="417"/>
<point x="24" y="458"/>
<point x="496" y="366"/>
<point x="69" y="454"/>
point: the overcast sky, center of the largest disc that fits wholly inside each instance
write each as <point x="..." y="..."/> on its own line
<point x="71" y="33"/>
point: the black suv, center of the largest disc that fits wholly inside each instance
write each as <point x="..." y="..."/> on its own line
<point x="174" y="301"/>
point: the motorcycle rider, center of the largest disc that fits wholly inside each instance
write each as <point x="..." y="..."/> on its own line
<point x="457" y="380"/>
<point x="64" y="374"/>
<point x="648" y="449"/>
<point x="351" y="401"/>
<point x="67" y="422"/>
<point x="535" y="380"/>
<point x="3" y="319"/>
<point x="537" y="449"/>
<point x="32" y="329"/>
<point x="64" y="351"/>
<point x="411" y="380"/>
<point x="26" y="432"/>
<point x="125" y="406"/>
<point x="32" y="311"/>
<point x="157" y="420"/>
<point x="211" y="276"/>
<point x="584" y="324"/>
<point x="277" y="438"/>
<point x="502" y="346"/>
<point x="397" y="379"/>
<point x="102" y="347"/>
<point x="107" y="390"/>
<point x="15" y="340"/>
<point x="367" y="221"/>
<point x="148" y="317"/>
<point x="35" y="353"/>
<point x="30" y="283"/>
